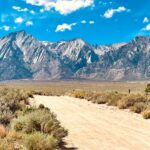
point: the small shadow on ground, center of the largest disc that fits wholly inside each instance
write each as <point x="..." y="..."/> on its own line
<point x="64" y="147"/>
<point x="70" y="148"/>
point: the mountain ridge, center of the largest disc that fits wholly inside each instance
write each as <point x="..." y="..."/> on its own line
<point x="24" y="57"/>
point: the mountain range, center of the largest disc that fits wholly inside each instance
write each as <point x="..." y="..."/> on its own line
<point x="24" y="57"/>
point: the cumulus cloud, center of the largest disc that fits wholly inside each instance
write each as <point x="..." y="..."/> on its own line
<point x="19" y="9"/>
<point x="5" y="27"/>
<point x="147" y="28"/>
<point x="145" y="20"/>
<point x="63" y="27"/>
<point x="32" y="11"/>
<point x="83" y="21"/>
<point x="64" y="7"/>
<point x="91" y="22"/>
<point x="19" y="20"/>
<point x="29" y="23"/>
<point x="42" y="10"/>
<point x="110" y="12"/>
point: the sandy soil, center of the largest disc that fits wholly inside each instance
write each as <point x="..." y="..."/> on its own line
<point x="98" y="127"/>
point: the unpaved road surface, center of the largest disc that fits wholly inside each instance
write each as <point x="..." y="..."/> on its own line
<point x="98" y="127"/>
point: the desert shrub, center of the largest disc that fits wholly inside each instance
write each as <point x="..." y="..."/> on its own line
<point x="78" y="94"/>
<point x="98" y="98"/>
<point x="5" y="116"/>
<point x="41" y="106"/>
<point x="40" y="141"/>
<point x="11" y="101"/>
<point x="29" y="94"/>
<point x="3" y="131"/>
<point x="130" y="100"/>
<point x="35" y="92"/>
<point x="135" y="102"/>
<point x="6" y="145"/>
<point x="146" y="114"/>
<point x="113" y="98"/>
<point x="138" y="107"/>
<point x="147" y="90"/>
<point x="13" y="135"/>
<point x="122" y="104"/>
<point x="41" y="120"/>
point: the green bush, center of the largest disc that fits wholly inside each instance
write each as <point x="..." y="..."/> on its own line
<point x="31" y="128"/>
<point x="11" y="101"/>
<point x="40" y="141"/>
<point x="41" y="120"/>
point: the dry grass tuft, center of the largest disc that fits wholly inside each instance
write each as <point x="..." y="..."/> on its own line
<point x="138" y="107"/>
<point x="131" y="100"/>
<point x="13" y="135"/>
<point x="6" y="145"/>
<point x="146" y="114"/>
<point x="3" y="131"/>
<point x="78" y="93"/>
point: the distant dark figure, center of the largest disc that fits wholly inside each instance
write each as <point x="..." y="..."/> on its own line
<point x="129" y="91"/>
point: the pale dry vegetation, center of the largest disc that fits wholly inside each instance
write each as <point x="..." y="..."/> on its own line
<point x="50" y="88"/>
<point x="23" y="127"/>
<point x="110" y="93"/>
<point x="138" y="103"/>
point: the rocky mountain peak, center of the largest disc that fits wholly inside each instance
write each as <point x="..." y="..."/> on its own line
<point x="23" y="56"/>
<point x="141" y="40"/>
<point x="15" y="35"/>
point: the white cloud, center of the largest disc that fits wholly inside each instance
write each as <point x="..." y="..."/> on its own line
<point x="147" y="28"/>
<point x="91" y="22"/>
<point x="32" y="11"/>
<point x="64" y="7"/>
<point x="63" y="27"/>
<point x="19" y="20"/>
<point x="5" y="27"/>
<point x="42" y="10"/>
<point x="29" y="23"/>
<point x="110" y="12"/>
<point x="83" y="21"/>
<point x="145" y="20"/>
<point x="17" y="8"/>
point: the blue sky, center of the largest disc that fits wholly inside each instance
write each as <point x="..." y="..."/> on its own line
<point x="96" y="21"/>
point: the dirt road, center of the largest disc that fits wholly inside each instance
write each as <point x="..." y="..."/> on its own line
<point x="98" y="127"/>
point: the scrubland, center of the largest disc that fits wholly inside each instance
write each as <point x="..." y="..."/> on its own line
<point x="53" y="88"/>
<point x="110" y="93"/>
<point x="138" y="103"/>
<point x="23" y="127"/>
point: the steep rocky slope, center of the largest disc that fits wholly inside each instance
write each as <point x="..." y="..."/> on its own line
<point x="24" y="57"/>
